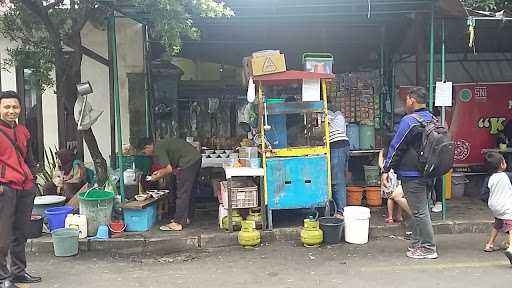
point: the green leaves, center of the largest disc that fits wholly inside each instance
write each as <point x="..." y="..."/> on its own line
<point x="173" y="18"/>
<point x="170" y="20"/>
<point x="50" y="164"/>
<point x="488" y="5"/>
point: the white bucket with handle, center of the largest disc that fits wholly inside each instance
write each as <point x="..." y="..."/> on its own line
<point x="357" y="224"/>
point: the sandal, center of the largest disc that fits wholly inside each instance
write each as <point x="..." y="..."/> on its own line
<point x="389" y="221"/>
<point x="398" y="221"/>
<point x="491" y="248"/>
<point x="186" y="223"/>
<point x="339" y="216"/>
<point x="173" y="226"/>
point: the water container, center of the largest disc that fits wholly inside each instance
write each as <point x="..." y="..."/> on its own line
<point x="97" y="206"/>
<point x="357" y="224"/>
<point x="130" y="177"/>
<point x="65" y="242"/>
<point x="366" y="137"/>
<point x="78" y="222"/>
<point x="57" y="216"/>
<point x="332" y="228"/>
<point x="353" y="136"/>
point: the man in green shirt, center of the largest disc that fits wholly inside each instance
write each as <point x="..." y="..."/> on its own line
<point x="178" y="157"/>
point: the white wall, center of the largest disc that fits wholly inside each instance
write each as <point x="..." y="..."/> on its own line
<point x="50" y="120"/>
<point x="8" y="77"/>
<point x="49" y="99"/>
<point x="130" y="60"/>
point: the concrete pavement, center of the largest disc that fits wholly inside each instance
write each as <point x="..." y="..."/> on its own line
<point x="465" y="215"/>
<point x="380" y="263"/>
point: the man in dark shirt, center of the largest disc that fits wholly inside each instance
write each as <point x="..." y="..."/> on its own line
<point x="180" y="158"/>
<point x="403" y="158"/>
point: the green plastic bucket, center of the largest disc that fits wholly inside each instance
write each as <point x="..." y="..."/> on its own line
<point x="65" y="242"/>
<point x="366" y="137"/>
<point x="96" y="205"/>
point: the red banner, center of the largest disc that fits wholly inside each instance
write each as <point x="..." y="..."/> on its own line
<point x="480" y="111"/>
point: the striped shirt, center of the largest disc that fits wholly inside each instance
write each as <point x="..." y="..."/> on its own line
<point x="337" y="126"/>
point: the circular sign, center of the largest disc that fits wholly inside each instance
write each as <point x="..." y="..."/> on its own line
<point x="462" y="150"/>
<point x="465" y="95"/>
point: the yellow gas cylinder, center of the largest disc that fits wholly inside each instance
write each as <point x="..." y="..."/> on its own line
<point x="311" y="235"/>
<point x="236" y="219"/>
<point x="255" y="215"/>
<point x="249" y="236"/>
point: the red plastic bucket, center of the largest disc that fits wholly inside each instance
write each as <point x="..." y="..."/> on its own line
<point x="117" y="227"/>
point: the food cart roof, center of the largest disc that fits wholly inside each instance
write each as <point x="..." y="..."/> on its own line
<point x="293" y="76"/>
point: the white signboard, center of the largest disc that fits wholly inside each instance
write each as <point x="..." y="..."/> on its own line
<point x="311" y="90"/>
<point x="443" y="94"/>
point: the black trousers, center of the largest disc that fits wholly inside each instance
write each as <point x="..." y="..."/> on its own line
<point x="185" y="180"/>
<point x="15" y="211"/>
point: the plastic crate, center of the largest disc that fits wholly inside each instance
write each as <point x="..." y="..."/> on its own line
<point x="242" y="195"/>
<point x="140" y="220"/>
<point x="371" y="175"/>
<point x="318" y="62"/>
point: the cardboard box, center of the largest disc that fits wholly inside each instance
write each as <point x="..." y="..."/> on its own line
<point x="264" y="53"/>
<point x="269" y="64"/>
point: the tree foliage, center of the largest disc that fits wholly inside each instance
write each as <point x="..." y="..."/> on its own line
<point x="41" y="29"/>
<point x="22" y="23"/>
<point x="488" y="5"/>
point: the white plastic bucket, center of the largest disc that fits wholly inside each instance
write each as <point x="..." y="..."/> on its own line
<point x="357" y="224"/>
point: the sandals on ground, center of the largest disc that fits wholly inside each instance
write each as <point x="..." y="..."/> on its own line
<point x="491" y="248"/>
<point x="389" y="221"/>
<point x="173" y="226"/>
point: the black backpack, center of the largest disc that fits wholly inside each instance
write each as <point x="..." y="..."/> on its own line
<point x="437" y="148"/>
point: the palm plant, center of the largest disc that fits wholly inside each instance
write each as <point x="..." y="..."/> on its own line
<point x="49" y="166"/>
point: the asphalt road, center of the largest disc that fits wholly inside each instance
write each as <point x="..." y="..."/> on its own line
<point x="381" y="263"/>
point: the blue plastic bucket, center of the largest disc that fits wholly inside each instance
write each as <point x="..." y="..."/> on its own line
<point x="57" y="216"/>
<point x="353" y="136"/>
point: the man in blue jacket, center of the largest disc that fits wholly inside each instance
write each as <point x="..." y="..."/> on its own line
<point x="403" y="158"/>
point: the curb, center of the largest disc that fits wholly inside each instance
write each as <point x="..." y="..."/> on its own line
<point x="138" y="246"/>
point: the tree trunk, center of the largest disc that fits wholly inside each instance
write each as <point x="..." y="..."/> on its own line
<point x="100" y="164"/>
<point x="69" y="67"/>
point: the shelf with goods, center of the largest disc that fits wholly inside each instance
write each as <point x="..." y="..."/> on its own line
<point x="357" y="97"/>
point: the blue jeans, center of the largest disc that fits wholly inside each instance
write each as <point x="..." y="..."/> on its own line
<point x="339" y="163"/>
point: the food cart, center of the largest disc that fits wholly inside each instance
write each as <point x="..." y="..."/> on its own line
<point x="296" y="175"/>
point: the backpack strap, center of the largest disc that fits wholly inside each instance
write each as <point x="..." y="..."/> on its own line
<point x="13" y="142"/>
<point x="422" y="121"/>
<point x="419" y="119"/>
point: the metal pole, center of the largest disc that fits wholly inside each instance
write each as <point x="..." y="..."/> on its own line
<point x="146" y="71"/>
<point x="382" y="81"/>
<point x="443" y="109"/>
<point x="327" y="144"/>
<point x="431" y="62"/>
<point x="117" y="101"/>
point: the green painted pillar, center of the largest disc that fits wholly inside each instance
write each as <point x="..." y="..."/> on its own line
<point x="117" y="101"/>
